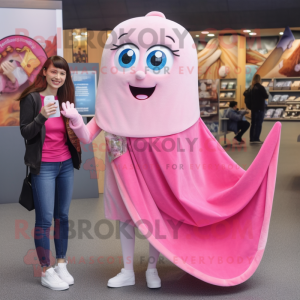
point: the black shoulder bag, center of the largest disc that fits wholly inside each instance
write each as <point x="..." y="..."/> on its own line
<point x="26" y="197"/>
<point x="248" y="98"/>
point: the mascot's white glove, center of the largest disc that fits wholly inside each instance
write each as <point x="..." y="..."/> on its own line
<point x="69" y="111"/>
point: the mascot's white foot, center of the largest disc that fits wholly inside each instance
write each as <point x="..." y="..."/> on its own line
<point x="125" y="278"/>
<point x="152" y="278"/>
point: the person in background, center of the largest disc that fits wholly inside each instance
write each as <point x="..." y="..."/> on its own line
<point x="84" y="56"/>
<point x="79" y="55"/>
<point x="258" y="105"/>
<point x="237" y="121"/>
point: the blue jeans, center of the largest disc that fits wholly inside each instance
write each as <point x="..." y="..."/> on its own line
<point x="257" y="118"/>
<point x="52" y="194"/>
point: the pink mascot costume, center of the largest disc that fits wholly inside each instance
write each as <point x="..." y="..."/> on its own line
<point x="165" y="173"/>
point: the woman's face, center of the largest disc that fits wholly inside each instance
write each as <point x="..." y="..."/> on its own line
<point x="55" y="77"/>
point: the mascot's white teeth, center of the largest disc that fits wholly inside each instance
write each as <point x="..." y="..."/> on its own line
<point x="141" y="93"/>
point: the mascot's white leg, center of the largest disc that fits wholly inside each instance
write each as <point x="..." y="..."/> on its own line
<point x="152" y="278"/>
<point x="126" y="276"/>
<point x="127" y="242"/>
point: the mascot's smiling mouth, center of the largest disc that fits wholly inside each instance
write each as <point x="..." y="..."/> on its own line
<point x="141" y="93"/>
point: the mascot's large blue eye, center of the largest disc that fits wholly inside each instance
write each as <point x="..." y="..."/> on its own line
<point x="156" y="60"/>
<point x="127" y="58"/>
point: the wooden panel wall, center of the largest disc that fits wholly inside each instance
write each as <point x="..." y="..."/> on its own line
<point x="241" y="72"/>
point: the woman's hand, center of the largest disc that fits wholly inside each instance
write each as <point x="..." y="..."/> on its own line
<point x="69" y="111"/>
<point x="48" y="110"/>
<point x="8" y="69"/>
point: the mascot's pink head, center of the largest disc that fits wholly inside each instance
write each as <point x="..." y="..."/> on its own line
<point x="148" y="83"/>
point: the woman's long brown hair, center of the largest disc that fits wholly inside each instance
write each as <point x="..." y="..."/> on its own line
<point x="256" y="79"/>
<point x="65" y="93"/>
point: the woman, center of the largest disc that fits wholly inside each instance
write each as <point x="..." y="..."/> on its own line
<point x="52" y="153"/>
<point x="259" y="96"/>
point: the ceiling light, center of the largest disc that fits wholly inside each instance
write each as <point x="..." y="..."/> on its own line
<point x="210" y="34"/>
<point x="247" y="30"/>
<point x="78" y="36"/>
<point x="252" y="33"/>
<point x="281" y="33"/>
<point x="74" y="33"/>
<point x="204" y="32"/>
<point x="197" y="35"/>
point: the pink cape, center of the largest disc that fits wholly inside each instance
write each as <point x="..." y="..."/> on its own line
<point x="197" y="206"/>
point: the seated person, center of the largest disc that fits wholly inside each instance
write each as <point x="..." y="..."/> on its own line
<point x="237" y="121"/>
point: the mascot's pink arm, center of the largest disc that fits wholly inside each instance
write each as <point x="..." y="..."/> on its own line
<point x="85" y="133"/>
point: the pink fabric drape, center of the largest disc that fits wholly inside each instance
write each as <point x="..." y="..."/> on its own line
<point x="196" y="205"/>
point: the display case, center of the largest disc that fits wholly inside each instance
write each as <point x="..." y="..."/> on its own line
<point x="227" y="92"/>
<point x="284" y="101"/>
<point x="209" y="103"/>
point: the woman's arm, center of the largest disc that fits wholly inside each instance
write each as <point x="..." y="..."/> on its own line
<point x="264" y="92"/>
<point x="30" y="126"/>
<point x="233" y="116"/>
<point x="85" y="133"/>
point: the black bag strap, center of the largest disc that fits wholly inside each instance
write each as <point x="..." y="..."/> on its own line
<point x="26" y="165"/>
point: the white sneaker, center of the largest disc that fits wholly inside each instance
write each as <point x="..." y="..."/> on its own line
<point x="125" y="278"/>
<point x="51" y="280"/>
<point x="152" y="278"/>
<point x="63" y="273"/>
